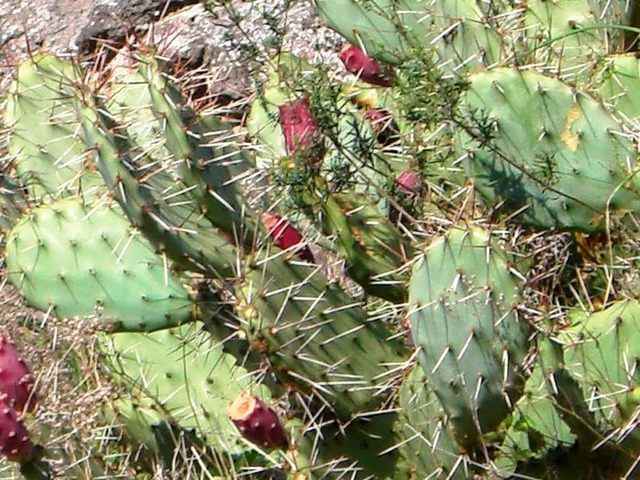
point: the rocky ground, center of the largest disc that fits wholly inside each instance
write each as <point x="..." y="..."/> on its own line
<point x="223" y="44"/>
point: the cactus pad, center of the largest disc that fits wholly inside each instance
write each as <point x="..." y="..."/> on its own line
<point x="472" y="342"/>
<point x="541" y="147"/>
<point x="80" y="261"/>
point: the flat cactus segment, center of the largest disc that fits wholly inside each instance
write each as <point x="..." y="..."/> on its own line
<point x="390" y="29"/>
<point x="155" y="114"/>
<point x="561" y="35"/>
<point x="620" y="84"/>
<point x="462" y="300"/>
<point x="535" y="425"/>
<point x="263" y="123"/>
<point x="365" y="448"/>
<point x="152" y="203"/>
<point x="186" y="376"/>
<point x="427" y="443"/>
<point x="601" y="354"/>
<point x="140" y="419"/>
<point x="78" y="261"/>
<point x="374" y="250"/>
<point x="45" y="139"/>
<point x="539" y="146"/>
<point x="315" y="336"/>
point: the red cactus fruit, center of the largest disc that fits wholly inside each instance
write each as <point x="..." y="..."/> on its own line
<point x="383" y="123"/>
<point x="14" y="438"/>
<point x="409" y="182"/>
<point x="286" y="235"/>
<point x="257" y="422"/>
<point x="16" y="380"/>
<point x="301" y="133"/>
<point x="368" y="69"/>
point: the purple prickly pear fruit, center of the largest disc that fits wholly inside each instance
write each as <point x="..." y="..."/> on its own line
<point x="384" y="125"/>
<point x="409" y="182"/>
<point x="286" y="235"/>
<point x="257" y="422"/>
<point x="15" y="443"/>
<point x="366" y="68"/>
<point x="301" y="133"/>
<point x="16" y="380"/>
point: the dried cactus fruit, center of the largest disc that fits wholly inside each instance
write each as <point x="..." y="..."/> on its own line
<point x="15" y="443"/>
<point x="16" y="379"/>
<point x="257" y="422"/>
<point x="409" y="182"/>
<point x="366" y="68"/>
<point x="300" y="129"/>
<point x="286" y="236"/>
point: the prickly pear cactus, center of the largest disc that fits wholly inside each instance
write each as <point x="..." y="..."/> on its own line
<point x="426" y="438"/>
<point x="389" y="29"/>
<point x="600" y="354"/>
<point x="237" y="350"/>
<point x="171" y="220"/>
<point x="550" y="153"/>
<point x="315" y="336"/>
<point x="620" y="79"/>
<point x="185" y="377"/>
<point x="462" y="306"/>
<point x="50" y="155"/>
<point x="74" y="260"/>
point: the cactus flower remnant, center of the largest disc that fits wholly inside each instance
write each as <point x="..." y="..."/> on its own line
<point x="368" y="69"/>
<point x="409" y="182"/>
<point x="286" y="235"/>
<point x="301" y="132"/>
<point x="257" y="422"/>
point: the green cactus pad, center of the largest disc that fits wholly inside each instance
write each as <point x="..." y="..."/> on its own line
<point x="373" y="248"/>
<point x="50" y="155"/>
<point x="390" y="29"/>
<point x="620" y="81"/>
<point x="543" y="149"/>
<point x="426" y="440"/>
<point x="78" y="261"/>
<point x="561" y="36"/>
<point x="601" y="354"/>
<point x="462" y="300"/>
<point x="140" y="419"/>
<point x="154" y="113"/>
<point x="170" y="218"/>
<point x="186" y="376"/>
<point x="535" y="425"/>
<point x="315" y="336"/>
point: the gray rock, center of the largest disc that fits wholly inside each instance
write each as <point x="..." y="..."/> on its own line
<point x="112" y="21"/>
